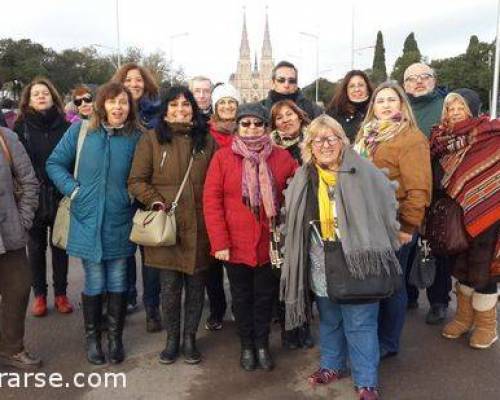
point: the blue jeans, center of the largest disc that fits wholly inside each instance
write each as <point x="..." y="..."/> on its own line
<point x="392" y="313"/>
<point x="349" y="329"/>
<point x="105" y="276"/>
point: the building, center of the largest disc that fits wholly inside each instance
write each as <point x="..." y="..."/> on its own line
<point x="253" y="83"/>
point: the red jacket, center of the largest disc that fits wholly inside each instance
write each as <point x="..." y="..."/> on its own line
<point x="230" y="224"/>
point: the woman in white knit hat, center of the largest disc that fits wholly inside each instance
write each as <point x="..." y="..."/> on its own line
<point x="222" y="126"/>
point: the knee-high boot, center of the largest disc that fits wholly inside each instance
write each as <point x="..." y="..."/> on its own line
<point x="92" y="312"/>
<point x="117" y="309"/>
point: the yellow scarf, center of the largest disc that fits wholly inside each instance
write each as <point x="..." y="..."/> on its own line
<point x="326" y="207"/>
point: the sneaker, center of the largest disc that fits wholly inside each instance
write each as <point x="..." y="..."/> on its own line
<point x="436" y="314"/>
<point x="131" y="306"/>
<point x="213" y="325"/>
<point x="39" y="306"/>
<point x="62" y="304"/>
<point x="367" y="393"/>
<point x="324" y="375"/>
<point x="385" y="354"/>
<point x="21" y="360"/>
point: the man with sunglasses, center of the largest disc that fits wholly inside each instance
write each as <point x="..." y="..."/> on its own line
<point x="284" y="87"/>
<point x="426" y="100"/>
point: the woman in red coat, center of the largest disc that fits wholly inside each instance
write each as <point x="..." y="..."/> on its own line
<point x="241" y="203"/>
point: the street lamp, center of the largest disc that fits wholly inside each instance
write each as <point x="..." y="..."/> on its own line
<point x="113" y="49"/>
<point x="358" y="51"/>
<point x="172" y="38"/>
<point x="494" y="102"/>
<point x="118" y="35"/>
<point x="316" y="37"/>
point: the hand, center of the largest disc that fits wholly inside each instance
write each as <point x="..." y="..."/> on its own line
<point x="222" y="255"/>
<point x="404" y="237"/>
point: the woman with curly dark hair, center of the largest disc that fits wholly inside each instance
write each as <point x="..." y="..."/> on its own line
<point x="350" y="102"/>
<point x="160" y="163"/>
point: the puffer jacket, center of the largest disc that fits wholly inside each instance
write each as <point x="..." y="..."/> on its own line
<point x="16" y="218"/>
<point x="101" y="210"/>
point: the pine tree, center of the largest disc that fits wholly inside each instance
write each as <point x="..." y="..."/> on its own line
<point x="411" y="55"/>
<point x="379" y="71"/>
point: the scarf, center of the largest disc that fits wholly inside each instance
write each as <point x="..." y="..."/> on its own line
<point x="180" y="128"/>
<point x="469" y="154"/>
<point x="285" y="142"/>
<point x="366" y="209"/>
<point x="375" y="132"/>
<point x="275" y="96"/>
<point x="257" y="182"/>
<point x="327" y="179"/>
<point x="222" y="131"/>
<point x="149" y="111"/>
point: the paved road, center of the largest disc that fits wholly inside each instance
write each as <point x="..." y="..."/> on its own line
<point x="429" y="367"/>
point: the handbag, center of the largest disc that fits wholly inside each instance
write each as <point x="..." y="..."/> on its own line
<point x="18" y="190"/>
<point x="423" y="269"/>
<point x="342" y="286"/>
<point x="60" y="229"/>
<point x="444" y="227"/>
<point x="158" y="228"/>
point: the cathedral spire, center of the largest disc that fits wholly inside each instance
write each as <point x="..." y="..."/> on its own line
<point x="255" y="66"/>
<point x="267" y="51"/>
<point x="244" y="47"/>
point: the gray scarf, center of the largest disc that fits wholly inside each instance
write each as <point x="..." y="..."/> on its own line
<point x="366" y="208"/>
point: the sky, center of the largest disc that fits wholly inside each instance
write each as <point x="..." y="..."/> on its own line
<point x="203" y="37"/>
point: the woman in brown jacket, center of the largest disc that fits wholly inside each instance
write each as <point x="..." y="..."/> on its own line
<point x="389" y="137"/>
<point x="160" y="163"/>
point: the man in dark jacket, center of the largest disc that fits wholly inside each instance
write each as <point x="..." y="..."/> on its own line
<point x="17" y="210"/>
<point x="284" y="87"/>
<point x="427" y="104"/>
<point x="202" y="87"/>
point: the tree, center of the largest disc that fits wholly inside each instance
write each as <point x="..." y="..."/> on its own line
<point x="411" y="55"/>
<point x="379" y="71"/>
<point x="325" y="91"/>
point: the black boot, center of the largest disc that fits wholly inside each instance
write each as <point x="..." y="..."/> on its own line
<point x="117" y="308"/>
<point x="153" y="321"/>
<point x="247" y="356"/>
<point x="104" y="319"/>
<point x="289" y="339"/>
<point x="305" y="339"/>
<point x="92" y="311"/>
<point x="264" y="358"/>
<point x="171" y="351"/>
<point x="191" y="353"/>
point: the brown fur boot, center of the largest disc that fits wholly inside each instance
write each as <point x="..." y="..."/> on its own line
<point x="462" y="323"/>
<point x="485" y="320"/>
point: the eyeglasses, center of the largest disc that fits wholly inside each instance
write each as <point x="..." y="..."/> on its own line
<point x="291" y="81"/>
<point x="86" y="99"/>
<point x="257" y="124"/>
<point x="414" y="78"/>
<point x="320" y="142"/>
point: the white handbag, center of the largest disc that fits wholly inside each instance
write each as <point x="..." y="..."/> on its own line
<point x="60" y="230"/>
<point x="158" y="228"/>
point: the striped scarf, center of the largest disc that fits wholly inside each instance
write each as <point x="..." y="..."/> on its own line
<point x="375" y="132"/>
<point x="469" y="154"/>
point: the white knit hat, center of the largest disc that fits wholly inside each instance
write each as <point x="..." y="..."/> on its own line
<point x="225" y="90"/>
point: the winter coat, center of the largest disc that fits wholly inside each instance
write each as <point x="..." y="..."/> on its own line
<point x="312" y="110"/>
<point x="406" y="157"/>
<point x="152" y="180"/>
<point x="40" y="133"/>
<point x="427" y="110"/>
<point x="350" y="123"/>
<point x="101" y="209"/>
<point x="16" y="218"/>
<point x="149" y="111"/>
<point x="230" y="223"/>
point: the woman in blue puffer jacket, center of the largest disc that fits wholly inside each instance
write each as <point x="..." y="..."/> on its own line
<point x="101" y="210"/>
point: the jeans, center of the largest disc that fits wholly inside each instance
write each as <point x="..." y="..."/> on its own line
<point x="349" y="329"/>
<point x="37" y="255"/>
<point x="105" y="276"/>
<point x="393" y="309"/>
<point x="215" y="291"/>
<point x="254" y="290"/>
<point x="15" y="280"/>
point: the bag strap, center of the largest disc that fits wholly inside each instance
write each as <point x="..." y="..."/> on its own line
<point x="181" y="189"/>
<point x="5" y="148"/>
<point x="81" y="138"/>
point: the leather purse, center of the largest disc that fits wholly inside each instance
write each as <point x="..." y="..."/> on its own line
<point x="60" y="230"/>
<point x="158" y="228"/>
<point x="445" y="229"/>
<point x="423" y="269"/>
<point x="342" y="286"/>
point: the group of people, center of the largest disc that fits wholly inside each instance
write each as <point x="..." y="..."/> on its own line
<point x="275" y="192"/>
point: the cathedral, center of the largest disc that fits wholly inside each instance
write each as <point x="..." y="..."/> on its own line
<point x="253" y="84"/>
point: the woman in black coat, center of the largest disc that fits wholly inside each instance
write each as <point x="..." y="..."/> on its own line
<point x="40" y="126"/>
<point x="350" y="102"/>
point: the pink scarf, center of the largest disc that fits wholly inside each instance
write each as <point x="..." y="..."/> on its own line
<point x="257" y="182"/>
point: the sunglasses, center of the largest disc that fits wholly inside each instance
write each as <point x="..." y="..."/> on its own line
<point x="257" y="124"/>
<point x="86" y="99"/>
<point x="291" y="81"/>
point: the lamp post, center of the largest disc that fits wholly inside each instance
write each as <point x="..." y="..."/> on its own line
<point x="496" y="71"/>
<point x="113" y="49"/>
<point x="316" y="37"/>
<point x="118" y="35"/>
<point x="358" y="51"/>
<point x="172" y="38"/>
